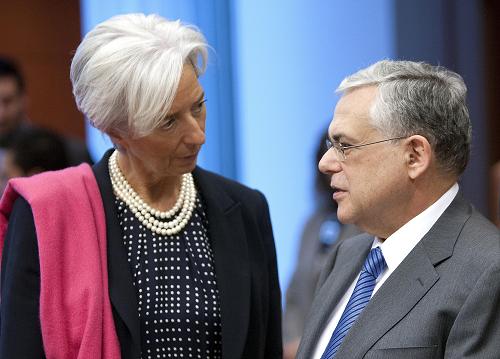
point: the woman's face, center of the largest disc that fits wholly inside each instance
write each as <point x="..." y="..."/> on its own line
<point x="171" y="150"/>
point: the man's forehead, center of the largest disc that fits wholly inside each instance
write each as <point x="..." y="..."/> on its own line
<point x="352" y="113"/>
<point x="349" y="124"/>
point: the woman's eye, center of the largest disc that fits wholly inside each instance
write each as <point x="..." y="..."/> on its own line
<point x="199" y="106"/>
<point x="169" y="123"/>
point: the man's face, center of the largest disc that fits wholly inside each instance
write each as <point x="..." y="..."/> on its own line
<point x="369" y="185"/>
<point x="12" y="104"/>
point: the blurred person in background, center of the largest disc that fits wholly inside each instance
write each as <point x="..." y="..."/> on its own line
<point x="145" y="254"/>
<point x="33" y="151"/>
<point x="13" y="112"/>
<point x="495" y="193"/>
<point x="322" y="230"/>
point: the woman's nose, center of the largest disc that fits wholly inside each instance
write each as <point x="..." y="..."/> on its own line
<point x="196" y="132"/>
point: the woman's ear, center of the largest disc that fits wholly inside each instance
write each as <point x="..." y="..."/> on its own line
<point x="418" y="155"/>
<point x="117" y="140"/>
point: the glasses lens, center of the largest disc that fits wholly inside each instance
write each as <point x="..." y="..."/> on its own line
<point x="336" y="149"/>
<point x="340" y="153"/>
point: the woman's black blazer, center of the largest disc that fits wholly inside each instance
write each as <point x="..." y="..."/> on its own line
<point x="245" y="264"/>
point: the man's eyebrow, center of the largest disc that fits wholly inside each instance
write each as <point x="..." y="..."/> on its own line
<point x="340" y="137"/>
<point x="337" y="137"/>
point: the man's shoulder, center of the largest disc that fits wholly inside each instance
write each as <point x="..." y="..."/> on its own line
<point x="481" y="226"/>
<point x="462" y="223"/>
<point x="463" y="244"/>
<point x="479" y="240"/>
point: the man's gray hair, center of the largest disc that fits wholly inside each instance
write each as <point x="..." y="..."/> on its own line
<point x="418" y="98"/>
<point x="126" y="71"/>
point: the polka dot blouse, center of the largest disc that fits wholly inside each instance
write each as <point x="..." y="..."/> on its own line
<point x="178" y="301"/>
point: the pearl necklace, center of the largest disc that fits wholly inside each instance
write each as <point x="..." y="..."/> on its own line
<point x="151" y="218"/>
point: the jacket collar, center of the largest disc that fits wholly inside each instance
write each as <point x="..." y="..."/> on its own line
<point x="122" y="293"/>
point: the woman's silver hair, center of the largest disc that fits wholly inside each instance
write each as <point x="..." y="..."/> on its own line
<point x="126" y="71"/>
<point x="418" y="98"/>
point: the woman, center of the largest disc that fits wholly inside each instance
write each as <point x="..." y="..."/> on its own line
<point x="145" y="255"/>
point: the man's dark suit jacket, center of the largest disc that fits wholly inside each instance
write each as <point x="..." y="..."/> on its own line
<point x="442" y="301"/>
<point x="245" y="263"/>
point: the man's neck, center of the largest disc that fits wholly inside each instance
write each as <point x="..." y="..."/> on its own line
<point x="423" y="196"/>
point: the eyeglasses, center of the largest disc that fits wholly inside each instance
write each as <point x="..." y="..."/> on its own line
<point x="340" y="148"/>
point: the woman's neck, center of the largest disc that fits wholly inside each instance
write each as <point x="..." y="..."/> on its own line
<point x="159" y="192"/>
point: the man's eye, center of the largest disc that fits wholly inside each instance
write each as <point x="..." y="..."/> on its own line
<point x="344" y="145"/>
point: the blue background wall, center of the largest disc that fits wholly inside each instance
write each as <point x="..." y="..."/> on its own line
<point x="289" y="57"/>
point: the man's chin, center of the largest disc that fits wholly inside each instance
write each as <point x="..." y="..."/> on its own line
<point x="344" y="216"/>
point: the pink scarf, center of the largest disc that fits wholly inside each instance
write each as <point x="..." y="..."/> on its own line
<point x="75" y="309"/>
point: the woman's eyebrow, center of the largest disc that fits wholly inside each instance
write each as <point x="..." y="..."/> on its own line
<point x="201" y="97"/>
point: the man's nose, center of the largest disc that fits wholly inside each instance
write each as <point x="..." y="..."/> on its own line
<point x="329" y="163"/>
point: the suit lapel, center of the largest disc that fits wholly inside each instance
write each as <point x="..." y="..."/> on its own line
<point x="121" y="289"/>
<point x="397" y="296"/>
<point x="226" y="230"/>
<point x="408" y="284"/>
<point x="348" y="260"/>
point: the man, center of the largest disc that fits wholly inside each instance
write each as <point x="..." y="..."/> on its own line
<point x="424" y="282"/>
<point x="13" y="117"/>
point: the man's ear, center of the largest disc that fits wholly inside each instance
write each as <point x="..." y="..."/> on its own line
<point x="418" y="155"/>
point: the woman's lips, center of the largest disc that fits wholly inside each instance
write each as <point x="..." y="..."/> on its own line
<point x="189" y="158"/>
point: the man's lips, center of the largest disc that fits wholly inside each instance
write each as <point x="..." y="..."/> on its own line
<point x="338" y="192"/>
<point x="337" y="188"/>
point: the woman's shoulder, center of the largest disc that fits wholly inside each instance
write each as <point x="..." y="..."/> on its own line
<point x="209" y="177"/>
<point x="210" y="181"/>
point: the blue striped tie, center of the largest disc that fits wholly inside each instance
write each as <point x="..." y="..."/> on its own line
<point x="374" y="265"/>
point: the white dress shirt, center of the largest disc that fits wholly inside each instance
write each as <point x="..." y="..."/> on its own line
<point x="395" y="249"/>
